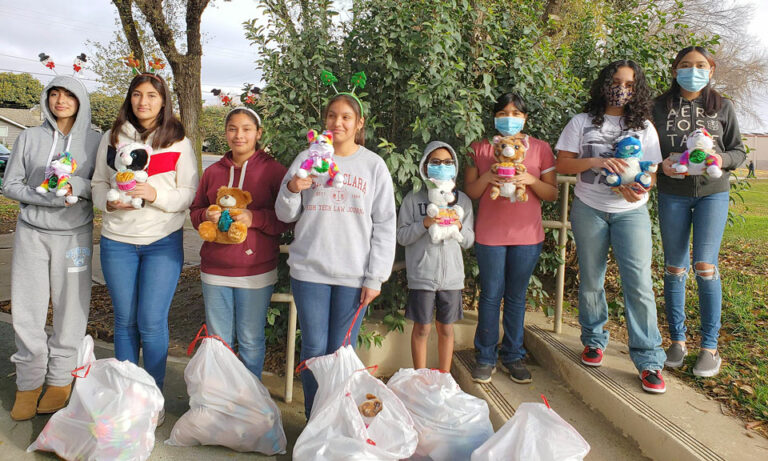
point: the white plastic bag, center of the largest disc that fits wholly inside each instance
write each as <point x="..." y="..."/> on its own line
<point x="535" y="433"/>
<point x="112" y="413"/>
<point x="451" y="423"/>
<point x="337" y="431"/>
<point x="330" y="372"/>
<point x="229" y="406"/>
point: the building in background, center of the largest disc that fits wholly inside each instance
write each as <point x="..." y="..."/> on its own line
<point x="14" y="121"/>
<point x="758" y="145"/>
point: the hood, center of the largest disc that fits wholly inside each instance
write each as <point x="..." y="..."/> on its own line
<point x="76" y="87"/>
<point x="431" y="147"/>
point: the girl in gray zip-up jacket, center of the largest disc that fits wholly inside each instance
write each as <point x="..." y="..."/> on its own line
<point x="435" y="271"/>
<point x="52" y="248"/>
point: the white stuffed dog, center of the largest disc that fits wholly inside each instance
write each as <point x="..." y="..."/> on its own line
<point x="439" y="197"/>
<point x="131" y="162"/>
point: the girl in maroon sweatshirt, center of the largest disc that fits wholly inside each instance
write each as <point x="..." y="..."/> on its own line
<point x="238" y="279"/>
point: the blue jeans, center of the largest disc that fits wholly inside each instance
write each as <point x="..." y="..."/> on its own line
<point x="707" y="215"/>
<point x="504" y="272"/>
<point x="629" y="233"/>
<point x="238" y="315"/>
<point x="325" y="313"/>
<point x="142" y="280"/>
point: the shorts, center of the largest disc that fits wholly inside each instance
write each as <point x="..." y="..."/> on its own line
<point x="421" y="303"/>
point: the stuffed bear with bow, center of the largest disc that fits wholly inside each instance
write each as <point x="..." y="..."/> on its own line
<point x="440" y="195"/>
<point x="509" y="152"/>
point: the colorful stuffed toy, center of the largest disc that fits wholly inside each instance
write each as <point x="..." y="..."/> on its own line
<point x="440" y="195"/>
<point x="698" y="159"/>
<point x="131" y="162"/>
<point x="630" y="150"/>
<point x="510" y="153"/>
<point x="230" y="201"/>
<point x="57" y="176"/>
<point x="320" y="161"/>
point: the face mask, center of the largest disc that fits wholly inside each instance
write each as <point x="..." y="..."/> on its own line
<point x="441" y="172"/>
<point x="618" y="95"/>
<point x="509" y="126"/>
<point x="692" y="79"/>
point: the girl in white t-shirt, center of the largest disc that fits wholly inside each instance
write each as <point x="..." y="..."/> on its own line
<point x="603" y="216"/>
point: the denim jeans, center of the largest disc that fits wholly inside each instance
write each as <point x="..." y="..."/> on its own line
<point x="142" y="280"/>
<point x="504" y="272"/>
<point x="325" y="313"/>
<point x="629" y="234"/>
<point x="707" y="216"/>
<point x="238" y="316"/>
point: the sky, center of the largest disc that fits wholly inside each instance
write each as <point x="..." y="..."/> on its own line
<point x="61" y="27"/>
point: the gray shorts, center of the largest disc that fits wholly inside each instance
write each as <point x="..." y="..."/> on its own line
<point x="421" y="303"/>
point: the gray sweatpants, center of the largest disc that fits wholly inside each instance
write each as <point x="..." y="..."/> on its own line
<point x="56" y="267"/>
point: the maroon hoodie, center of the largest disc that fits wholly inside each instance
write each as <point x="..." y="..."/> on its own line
<point x="259" y="252"/>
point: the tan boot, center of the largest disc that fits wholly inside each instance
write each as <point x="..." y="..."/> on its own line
<point x="25" y="406"/>
<point x="54" y="399"/>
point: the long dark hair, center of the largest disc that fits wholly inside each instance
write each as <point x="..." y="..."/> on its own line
<point x="713" y="101"/>
<point x="352" y="102"/>
<point x="636" y="111"/>
<point x="168" y="129"/>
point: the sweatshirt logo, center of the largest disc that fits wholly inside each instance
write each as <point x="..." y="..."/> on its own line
<point x="682" y="121"/>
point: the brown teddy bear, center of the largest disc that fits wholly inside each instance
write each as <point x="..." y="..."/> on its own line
<point x="510" y="153"/>
<point x="231" y="202"/>
<point x="370" y="407"/>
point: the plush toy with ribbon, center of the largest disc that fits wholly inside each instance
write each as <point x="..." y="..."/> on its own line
<point x="630" y="150"/>
<point x="510" y="153"/>
<point x="440" y="195"/>
<point x="698" y="159"/>
<point x="57" y="175"/>
<point x="131" y="162"/>
<point x="320" y="160"/>
<point x="230" y="202"/>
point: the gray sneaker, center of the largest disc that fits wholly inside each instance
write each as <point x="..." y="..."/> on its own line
<point x="708" y="364"/>
<point x="517" y="372"/>
<point x="676" y="355"/>
<point x="482" y="373"/>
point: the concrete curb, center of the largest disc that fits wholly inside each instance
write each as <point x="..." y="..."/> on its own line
<point x="500" y="409"/>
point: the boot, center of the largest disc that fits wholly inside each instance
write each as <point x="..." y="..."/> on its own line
<point x="54" y="399"/>
<point x="25" y="406"/>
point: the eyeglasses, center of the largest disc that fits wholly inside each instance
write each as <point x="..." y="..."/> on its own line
<point x="437" y="162"/>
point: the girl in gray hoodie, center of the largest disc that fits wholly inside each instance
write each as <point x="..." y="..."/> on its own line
<point x="52" y="248"/>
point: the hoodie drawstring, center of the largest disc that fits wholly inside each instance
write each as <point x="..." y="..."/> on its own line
<point x="53" y="146"/>
<point x="232" y="175"/>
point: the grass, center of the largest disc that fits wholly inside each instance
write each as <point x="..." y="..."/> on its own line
<point x="751" y="210"/>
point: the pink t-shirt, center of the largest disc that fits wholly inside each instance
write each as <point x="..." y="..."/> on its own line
<point x="501" y="222"/>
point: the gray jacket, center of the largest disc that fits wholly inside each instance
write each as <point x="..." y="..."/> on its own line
<point x="31" y="154"/>
<point x="432" y="266"/>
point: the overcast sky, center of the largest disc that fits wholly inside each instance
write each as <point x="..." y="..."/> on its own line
<point x="61" y="27"/>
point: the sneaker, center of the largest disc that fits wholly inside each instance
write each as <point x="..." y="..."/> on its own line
<point x="517" y="372"/>
<point x="160" y="418"/>
<point x="708" y="364"/>
<point x="482" y="373"/>
<point x="676" y="355"/>
<point x="653" y="382"/>
<point x="592" y="356"/>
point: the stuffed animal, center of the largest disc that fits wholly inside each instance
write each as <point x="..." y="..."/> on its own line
<point x="440" y="195"/>
<point x="57" y="176"/>
<point x="510" y="153"/>
<point x="698" y="159"/>
<point x="131" y="162"/>
<point x="320" y="161"/>
<point x="230" y="201"/>
<point x="630" y="150"/>
<point x="370" y="407"/>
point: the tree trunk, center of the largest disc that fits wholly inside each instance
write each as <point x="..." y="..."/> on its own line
<point x="186" y="73"/>
<point x="125" y="12"/>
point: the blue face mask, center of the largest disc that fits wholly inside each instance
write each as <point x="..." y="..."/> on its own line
<point x="509" y="126"/>
<point x="441" y="172"/>
<point x="692" y="79"/>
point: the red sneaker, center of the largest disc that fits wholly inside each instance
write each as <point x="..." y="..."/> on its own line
<point x="592" y="356"/>
<point x="653" y="382"/>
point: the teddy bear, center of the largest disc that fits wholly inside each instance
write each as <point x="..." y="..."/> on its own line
<point x="630" y="150"/>
<point x="231" y="202"/>
<point x="131" y="162"/>
<point x="510" y="153"/>
<point x="320" y="161"/>
<point x="371" y="407"/>
<point x="440" y="195"/>
<point x="57" y="175"/>
<point x="698" y="159"/>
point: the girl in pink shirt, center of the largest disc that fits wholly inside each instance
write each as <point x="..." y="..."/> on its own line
<point x="508" y="240"/>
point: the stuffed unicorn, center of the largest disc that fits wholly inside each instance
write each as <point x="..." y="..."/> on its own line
<point x="57" y="176"/>
<point x="320" y="161"/>
<point x="440" y="195"/>
<point x="630" y="150"/>
<point x="698" y="159"/>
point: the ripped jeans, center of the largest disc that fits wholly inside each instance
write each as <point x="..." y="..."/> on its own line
<point x="707" y="216"/>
